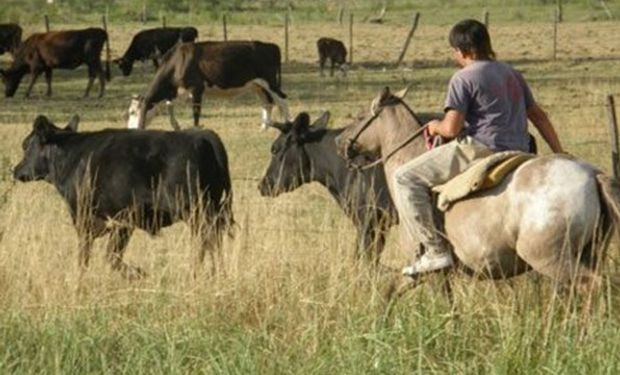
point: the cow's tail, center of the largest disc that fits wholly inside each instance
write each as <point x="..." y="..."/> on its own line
<point x="278" y="88"/>
<point x="225" y="219"/>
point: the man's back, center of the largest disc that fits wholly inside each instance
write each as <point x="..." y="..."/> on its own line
<point x="495" y="99"/>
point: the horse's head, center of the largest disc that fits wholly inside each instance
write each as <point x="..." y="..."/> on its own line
<point x="366" y="134"/>
<point x="290" y="165"/>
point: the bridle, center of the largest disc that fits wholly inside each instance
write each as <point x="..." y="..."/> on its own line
<point x="350" y="153"/>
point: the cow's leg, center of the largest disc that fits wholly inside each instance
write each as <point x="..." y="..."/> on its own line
<point x="173" y="120"/>
<point x="117" y="243"/>
<point x="48" y="79"/>
<point x="196" y="103"/>
<point x="266" y="106"/>
<point x="321" y="66"/>
<point x="85" y="244"/>
<point x="370" y="240"/>
<point x="33" y="78"/>
<point x="331" y="67"/>
<point x="91" y="79"/>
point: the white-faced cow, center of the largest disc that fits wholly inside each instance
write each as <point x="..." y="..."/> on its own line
<point x="152" y="44"/>
<point x="305" y="153"/>
<point x="333" y="50"/>
<point x="67" y="49"/>
<point x="116" y="180"/>
<point x="222" y="69"/>
<point x="10" y="37"/>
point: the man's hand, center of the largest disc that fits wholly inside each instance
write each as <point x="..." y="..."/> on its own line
<point x="449" y="127"/>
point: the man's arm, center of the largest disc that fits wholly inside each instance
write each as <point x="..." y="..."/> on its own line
<point x="540" y="120"/>
<point x="448" y="127"/>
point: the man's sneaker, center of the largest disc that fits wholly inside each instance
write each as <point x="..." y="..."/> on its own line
<point x="428" y="263"/>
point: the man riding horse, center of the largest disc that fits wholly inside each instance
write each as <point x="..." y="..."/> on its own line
<point x="486" y="110"/>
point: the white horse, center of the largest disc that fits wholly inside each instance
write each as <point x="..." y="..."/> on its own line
<point x="553" y="214"/>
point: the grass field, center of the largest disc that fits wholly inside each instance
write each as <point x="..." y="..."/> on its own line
<point x="290" y="299"/>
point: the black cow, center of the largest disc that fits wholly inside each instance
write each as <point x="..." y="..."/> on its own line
<point x="217" y="69"/>
<point x="68" y="49"/>
<point x="333" y="50"/>
<point x="304" y="153"/>
<point x="10" y="37"/>
<point x="116" y="180"/>
<point x="152" y="44"/>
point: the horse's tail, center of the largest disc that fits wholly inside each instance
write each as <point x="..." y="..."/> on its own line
<point x="610" y="198"/>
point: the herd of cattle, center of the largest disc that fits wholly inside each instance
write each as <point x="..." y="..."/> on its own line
<point x="116" y="180"/>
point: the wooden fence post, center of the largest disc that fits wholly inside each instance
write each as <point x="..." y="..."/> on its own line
<point x="559" y="10"/>
<point x="340" y="15"/>
<point x="414" y="26"/>
<point x="286" y="22"/>
<point x="351" y="38"/>
<point x="485" y="17"/>
<point x="144" y="12"/>
<point x="613" y="133"/>
<point x="47" y="23"/>
<point x="224" y="28"/>
<point x="555" y="33"/>
<point x="163" y="21"/>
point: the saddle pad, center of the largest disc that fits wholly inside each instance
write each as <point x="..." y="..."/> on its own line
<point x="484" y="174"/>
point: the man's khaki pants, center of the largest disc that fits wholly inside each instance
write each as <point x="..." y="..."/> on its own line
<point x="412" y="189"/>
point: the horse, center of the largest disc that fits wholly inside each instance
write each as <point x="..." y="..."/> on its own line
<point x="553" y="214"/>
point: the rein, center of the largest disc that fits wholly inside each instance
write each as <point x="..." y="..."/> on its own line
<point x="369" y="122"/>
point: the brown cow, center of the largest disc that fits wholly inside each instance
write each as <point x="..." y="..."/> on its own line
<point x="333" y="50"/>
<point x="10" y="37"/>
<point x="220" y="69"/>
<point x="68" y="49"/>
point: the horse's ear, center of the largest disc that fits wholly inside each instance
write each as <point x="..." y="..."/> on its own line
<point x="378" y="101"/>
<point x="322" y="120"/>
<point x="73" y="123"/>
<point x="402" y="93"/>
<point x="385" y="94"/>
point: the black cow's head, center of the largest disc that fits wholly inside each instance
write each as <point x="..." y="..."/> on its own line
<point x="125" y="65"/>
<point x="11" y="80"/>
<point x="290" y="165"/>
<point x="38" y="147"/>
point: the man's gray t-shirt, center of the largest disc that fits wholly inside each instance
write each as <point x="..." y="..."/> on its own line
<point x="494" y="98"/>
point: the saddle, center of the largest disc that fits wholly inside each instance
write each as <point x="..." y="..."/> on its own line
<point x="484" y="174"/>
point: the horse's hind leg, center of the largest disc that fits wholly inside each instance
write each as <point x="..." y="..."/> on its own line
<point x="549" y="255"/>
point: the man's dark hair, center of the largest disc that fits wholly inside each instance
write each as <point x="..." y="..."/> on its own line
<point x="472" y="37"/>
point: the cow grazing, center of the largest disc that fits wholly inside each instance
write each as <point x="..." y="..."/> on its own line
<point x="304" y="153"/>
<point x="10" y="37"/>
<point x="68" y="49"/>
<point x="152" y="44"/>
<point x="224" y="69"/>
<point x="333" y="50"/>
<point x="116" y="180"/>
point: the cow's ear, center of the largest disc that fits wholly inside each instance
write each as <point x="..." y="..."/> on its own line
<point x="301" y="122"/>
<point x="300" y="126"/>
<point x="73" y="123"/>
<point x="322" y="120"/>
<point x="43" y="128"/>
